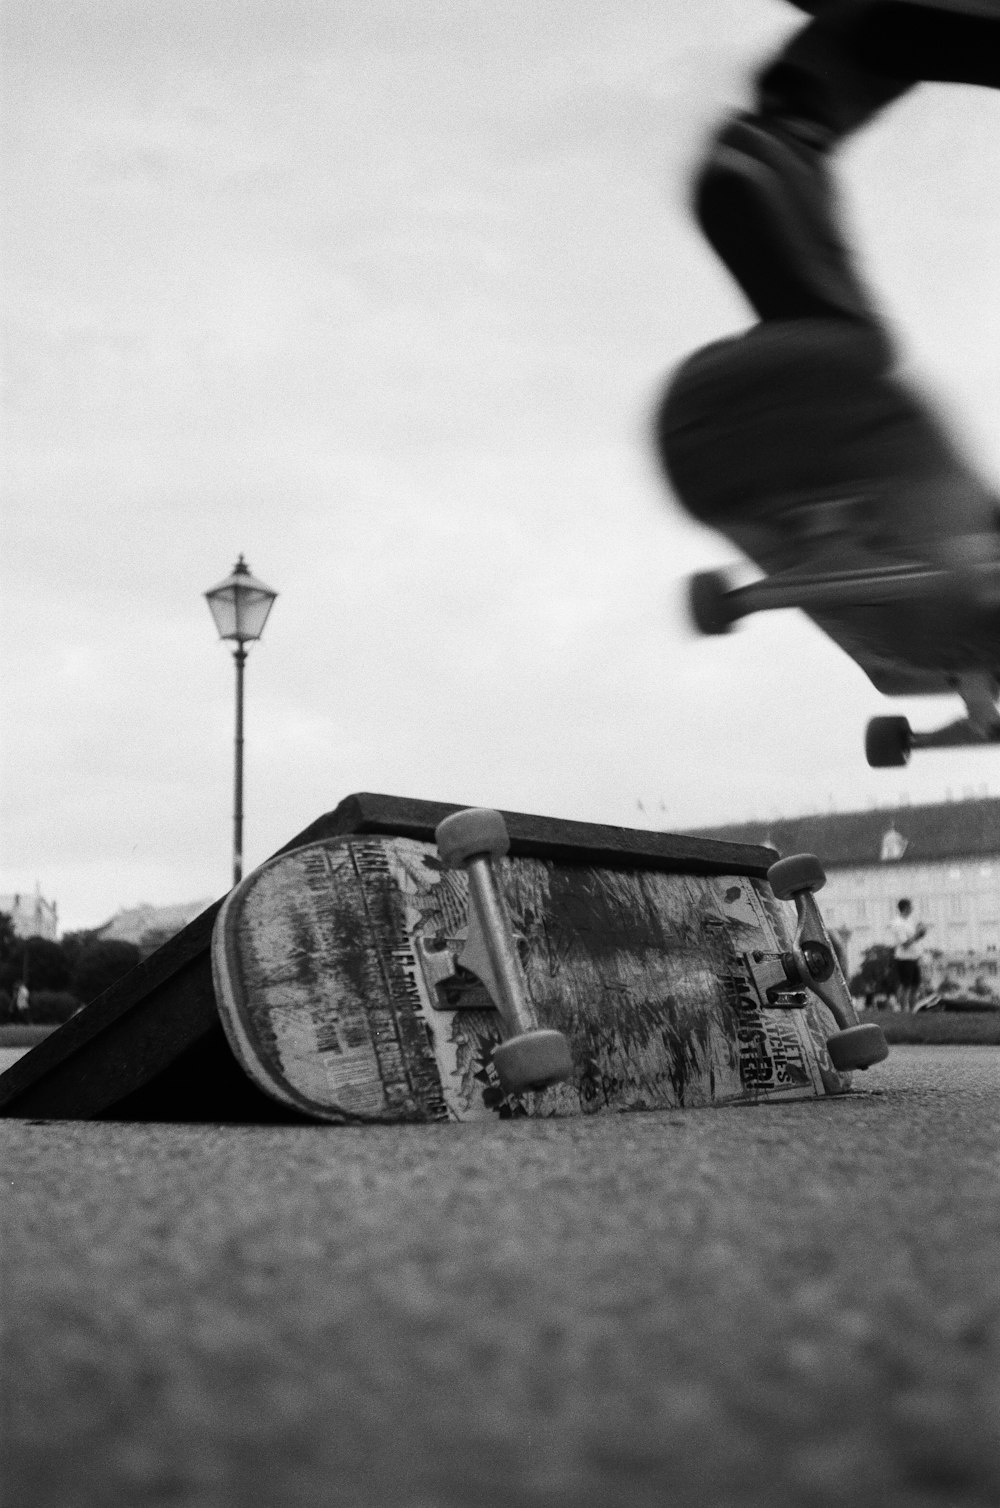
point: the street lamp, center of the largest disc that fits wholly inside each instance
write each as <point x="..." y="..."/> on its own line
<point x="240" y="606"/>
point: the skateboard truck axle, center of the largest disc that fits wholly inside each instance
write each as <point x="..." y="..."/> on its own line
<point x="812" y="957"/>
<point x="531" y="1056"/>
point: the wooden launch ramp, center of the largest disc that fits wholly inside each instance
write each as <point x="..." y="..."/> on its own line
<point x="152" y="1046"/>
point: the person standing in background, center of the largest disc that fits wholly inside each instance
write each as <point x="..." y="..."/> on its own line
<point x="907" y="932"/>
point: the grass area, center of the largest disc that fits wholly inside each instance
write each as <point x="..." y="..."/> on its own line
<point x="23" y="1033"/>
<point x="951" y="1028"/>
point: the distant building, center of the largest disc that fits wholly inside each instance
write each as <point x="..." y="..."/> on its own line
<point x="945" y="858"/>
<point x="148" y="927"/>
<point x="31" y="915"/>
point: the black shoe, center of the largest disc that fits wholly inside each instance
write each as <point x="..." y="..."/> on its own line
<point x="765" y="201"/>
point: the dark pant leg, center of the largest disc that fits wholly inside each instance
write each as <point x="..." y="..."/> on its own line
<point x="936" y="44"/>
<point x="764" y="197"/>
<point x="821" y="77"/>
<point x="857" y="56"/>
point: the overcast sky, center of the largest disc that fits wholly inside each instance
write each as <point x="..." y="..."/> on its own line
<point x="381" y="295"/>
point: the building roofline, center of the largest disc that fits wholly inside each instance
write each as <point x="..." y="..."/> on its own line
<point x="909" y="834"/>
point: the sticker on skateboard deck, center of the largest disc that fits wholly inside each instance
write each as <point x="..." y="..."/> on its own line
<point x="340" y="987"/>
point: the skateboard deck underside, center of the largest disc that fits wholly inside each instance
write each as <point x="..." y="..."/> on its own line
<point x="906" y="648"/>
<point x="794" y="443"/>
<point x="339" y="983"/>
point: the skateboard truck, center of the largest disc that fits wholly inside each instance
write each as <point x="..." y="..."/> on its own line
<point x="531" y="1056"/>
<point x="811" y="961"/>
<point x="715" y="603"/>
<point x="890" y="740"/>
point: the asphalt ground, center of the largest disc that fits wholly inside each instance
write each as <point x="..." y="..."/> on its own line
<point x="780" y="1305"/>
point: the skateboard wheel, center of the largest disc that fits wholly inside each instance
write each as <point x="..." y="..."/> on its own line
<point x="800" y="871"/>
<point x="476" y="830"/>
<point x="533" y="1060"/>
<point x="708" y="604"/>
<point x="888" y="741"/>
<point x="857" y="1047"/>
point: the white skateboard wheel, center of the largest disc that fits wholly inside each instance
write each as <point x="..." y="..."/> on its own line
<point x="857" y="1047"/>
<point x="533" y="1060"/>
<point x="475" y="831"/>
<point x="800" y="871"/>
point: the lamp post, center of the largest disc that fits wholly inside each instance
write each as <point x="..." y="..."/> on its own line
<point x="240" y="606"/>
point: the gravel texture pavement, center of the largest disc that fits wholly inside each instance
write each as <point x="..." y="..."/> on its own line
<point x="784" y="1305"/>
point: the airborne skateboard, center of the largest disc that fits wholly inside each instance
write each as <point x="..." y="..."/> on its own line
<point x="375" y="978"/>
<point x="836" y="479"/>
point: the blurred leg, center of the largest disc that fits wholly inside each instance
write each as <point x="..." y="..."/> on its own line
<point x="931" y="43"/>
<point x="764" y="196"/>
<point x="824" y="82"/>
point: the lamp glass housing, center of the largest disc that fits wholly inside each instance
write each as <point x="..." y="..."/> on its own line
<point x="240" y="604"/>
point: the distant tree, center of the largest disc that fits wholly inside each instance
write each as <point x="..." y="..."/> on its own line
<point x="52" y="1007"/>
<point x="75" y="944"/>
<point x="12" y="967"/>
<point x="155" y="937"/>
<point x="36" y="960"/>
<point x="8" y="937"/>
<point x="98" y="963"/>
<point x="47" y="968"/>
<point x="62" y="975"/>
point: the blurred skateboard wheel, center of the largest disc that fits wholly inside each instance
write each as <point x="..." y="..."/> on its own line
<point x="799" y="872"/>
<point x="888" y="741"/>
<point x="475" y="832"/>
<point x="857" y="1047"/>
<point x="533" y="1060"/>
<point x="708" y="602"/>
